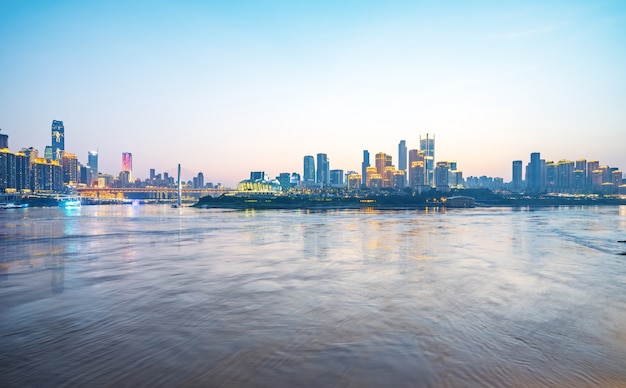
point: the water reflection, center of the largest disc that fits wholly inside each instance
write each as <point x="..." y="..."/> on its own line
<point x="159" y="296"/>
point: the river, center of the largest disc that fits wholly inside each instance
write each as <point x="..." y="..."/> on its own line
<point x="155" y="296"/>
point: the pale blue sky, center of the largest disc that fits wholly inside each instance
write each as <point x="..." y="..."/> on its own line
<point x="230" y="87"/>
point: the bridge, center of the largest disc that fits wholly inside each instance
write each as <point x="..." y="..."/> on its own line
<point x="148" y="194"/>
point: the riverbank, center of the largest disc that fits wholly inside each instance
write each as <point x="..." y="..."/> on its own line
<point x="255" y="201"/>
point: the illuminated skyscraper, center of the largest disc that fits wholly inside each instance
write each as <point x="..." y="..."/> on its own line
<point x="7" y="170"/>
<point x="70" y="168"/>
<point x="382" y="160"/>
<point x="127" y="165"/>
<point x="416" y="169"/>
<point x="427" y="146"/>
<point x="47" y="176"/>
<point x="323" y="170"/>
<point x="58" y="139"/>
<point x="309" y="170"/>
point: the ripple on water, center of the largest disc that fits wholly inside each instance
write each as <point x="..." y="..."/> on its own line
<point x="477" y="297"/>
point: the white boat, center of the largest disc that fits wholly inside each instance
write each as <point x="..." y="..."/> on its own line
<point x="69" y="202"/>
<point x="12" y="205"/>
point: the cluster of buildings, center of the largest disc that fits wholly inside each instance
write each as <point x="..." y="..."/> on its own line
<point x="58" y="171"/>
<point x="52" y="172"/>
<point x="415" y="169"/>
<point x="567" y="177"/>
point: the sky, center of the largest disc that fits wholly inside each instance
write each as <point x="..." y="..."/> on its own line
<point x="229" y="87"/>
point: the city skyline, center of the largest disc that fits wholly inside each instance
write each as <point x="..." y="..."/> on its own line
<point x="564" y="176"/>
<point x="230" y="88"/>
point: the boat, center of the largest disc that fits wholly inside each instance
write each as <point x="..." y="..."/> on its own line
<point x="460" y="201"/>
<point x="69" y="202"/>
<point x="12" y="205"/>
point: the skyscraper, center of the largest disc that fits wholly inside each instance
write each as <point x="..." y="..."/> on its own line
<point x="323" y="170"/>
<point x="200" y="180"/>
<point x="364" y="165"/>
<point x="7" y="170"/>
<point x="4" y="141"/>
<point x="533" y="173"/>
<point x="309" y="169"/>
<point x="127" y="161"/>
<point x="58" y="139"/>
<point x="517" y="175"/>
<point x="336" y="177"/>
<point x="382" y="160"/>
<point x="441" y="176"/>
<point x="402" y="153"/>
<point x="127" y="165"/>
<point x="427" y="146"/>
<point x="92" y="161"/>
<point x="70" y="168"/>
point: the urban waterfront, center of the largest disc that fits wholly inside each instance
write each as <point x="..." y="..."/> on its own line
<point x="150" y="295"/>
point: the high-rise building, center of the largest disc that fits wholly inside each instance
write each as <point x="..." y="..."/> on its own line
<point x="85" y="175"/>
<point x="58" y="139"/>
<point x="364" y="165"/>
<point x="70" y="168"/>
<point x="32" y="154"/>
<point x="7" y="170"/>
<point x="4" y="141"/>
<point x="127" y="161"/>
<point x="354" y="181"/>
<point x="517" y="175"/>
<point x="284" y="178"/>
<point x="48" y="154"/>
<point x="22" y="171"/>
<point x="617" y="178"/>
<point x="534" y="175"/>
<point x="336" y="177"/>
<point x="92" y="161"/>
<point x="441" y="176"/>
<point x="427" y="146"/>
<point x="127" y="168"/>
<point x="383" y="160"/>
<point x="417" y="177"/>
<point x="565" y="176"/>
<point x="295" y="179"/>
<point x="47" y="176"/>
<point x="323" y="170"/>
<point x="398" y="179"/>
<point x="402" y="154"/>
<point x="372" y="175"/>
<point x="200" y="180"/>
<point x="309" y="170"/>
